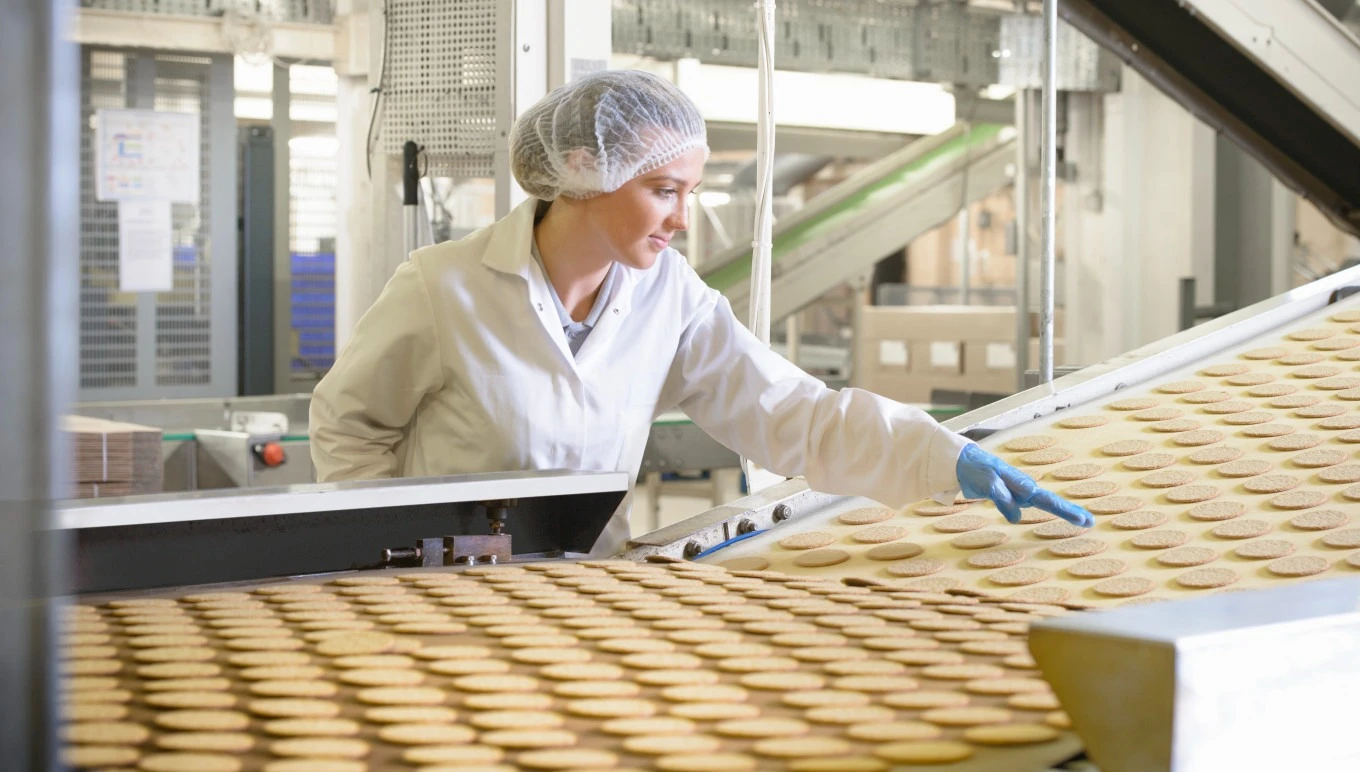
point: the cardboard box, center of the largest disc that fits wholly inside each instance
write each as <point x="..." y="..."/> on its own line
<point x="906" y="352"/>
<point x="113" y="459"/>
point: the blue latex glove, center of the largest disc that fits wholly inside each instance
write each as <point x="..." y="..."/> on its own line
<point x="984" y="476"/>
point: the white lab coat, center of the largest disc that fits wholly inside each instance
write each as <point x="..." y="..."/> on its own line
<point x="461" y="366"/>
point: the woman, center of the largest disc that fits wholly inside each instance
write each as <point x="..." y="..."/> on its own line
<point x="551" y="339"/>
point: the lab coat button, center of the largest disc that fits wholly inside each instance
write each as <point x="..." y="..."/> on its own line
<point x="540" y="306"/>
<point x="616" y="310"/>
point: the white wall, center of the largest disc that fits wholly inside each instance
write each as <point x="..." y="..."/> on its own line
<point x="1156" y="223"/>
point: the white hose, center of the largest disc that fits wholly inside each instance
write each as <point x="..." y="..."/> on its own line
<point x="762" y="242"/>
<point x="758" y="479"/>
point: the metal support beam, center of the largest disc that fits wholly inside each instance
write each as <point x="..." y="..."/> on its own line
<point x="1024" y="136"/>
<point x="39" y="283"/>
<point x="1048" y="187"/>
<point x="282" y="125"/>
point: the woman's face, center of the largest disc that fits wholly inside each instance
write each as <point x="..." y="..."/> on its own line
<point x="638" y="220"/>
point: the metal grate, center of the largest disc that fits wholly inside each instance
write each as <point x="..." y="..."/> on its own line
<point x="439" y="85"/>
<point x="1082" y="64"/>
<point x="303" y="11"/>
<point x="108" y="318"/>
<point x="144" y="345"/>
<point x="942" y="41"/>
<point x="183" y="315"/>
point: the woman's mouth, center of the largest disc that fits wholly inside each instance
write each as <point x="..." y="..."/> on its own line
<point x="659" y="242"/>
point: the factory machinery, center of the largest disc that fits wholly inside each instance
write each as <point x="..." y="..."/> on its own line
<point x="791" y="629"/>
<point x="1206" y="622"/>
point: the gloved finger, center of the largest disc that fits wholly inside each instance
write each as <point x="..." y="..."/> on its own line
<point x="1000" y="495"/>
<point x="1021" y="485"/>
<point x="1057" y="505"/>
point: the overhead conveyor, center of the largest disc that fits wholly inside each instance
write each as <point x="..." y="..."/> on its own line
<point x="1281" y="78"/>
<point x="844" y="231"/>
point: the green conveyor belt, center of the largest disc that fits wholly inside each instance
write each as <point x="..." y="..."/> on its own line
<point x="789" y="239"/>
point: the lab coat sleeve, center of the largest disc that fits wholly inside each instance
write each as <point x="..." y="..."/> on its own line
<point x="846" y="442"/>
<point x="361" y="409"/>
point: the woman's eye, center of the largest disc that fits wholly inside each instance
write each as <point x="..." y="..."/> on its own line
<point x="665" y="192"/>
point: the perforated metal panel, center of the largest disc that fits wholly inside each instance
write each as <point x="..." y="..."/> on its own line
<point x="439" y="88"/>
<point x="313" y="11"/>
<point x="184" y="314"/>
<point x="1082" y="64"/>
<point x="108" y="318"/>
<point x="163" y="344"/>
<point x="932" y="40"/>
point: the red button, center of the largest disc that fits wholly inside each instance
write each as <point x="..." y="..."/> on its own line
<point x="271" y="453"/>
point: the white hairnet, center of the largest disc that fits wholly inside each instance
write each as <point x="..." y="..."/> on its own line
<point x="599" y="131"/>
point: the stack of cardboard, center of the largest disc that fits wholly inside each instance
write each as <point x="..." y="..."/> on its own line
<point x="906" y="352"/>
<point x="112" y="458"/>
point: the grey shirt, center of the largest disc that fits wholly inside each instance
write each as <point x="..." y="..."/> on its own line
<point x="578" y="331"/>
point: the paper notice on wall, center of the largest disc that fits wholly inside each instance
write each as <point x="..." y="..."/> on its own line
<point x="145" y="246"/>
<point x="146" y="155"/>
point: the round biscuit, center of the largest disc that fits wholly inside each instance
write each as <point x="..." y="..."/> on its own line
<point x="1148" y="462"/>
<point x="1320" y="520"/>
<point x="1298" y="565"/>
<point x="980" y="540"/>
<point x="1263" y="549"/>
<point x="1215" y="455"/>
<point x="1073" y="472"/>
<point x="1124" y="587"/>
<point x="1045" y="457"/>
<point x="1187" y="556"/>
<point x="1207" y="578"/>
<point x="865" y="516"/>
<point x="896" y="551"/>
<point x="1029" y="444"/>
<point x="1212" y="511"/>
<point x="1241" y="529"/>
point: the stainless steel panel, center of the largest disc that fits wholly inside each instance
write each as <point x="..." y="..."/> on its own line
<point x="1232" y="681"/>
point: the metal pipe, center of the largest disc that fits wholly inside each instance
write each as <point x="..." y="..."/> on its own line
<point x="1048" y="181"/>
<point x="1023" y="115"/>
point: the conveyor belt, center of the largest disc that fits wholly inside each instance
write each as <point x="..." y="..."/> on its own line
<point x="1291" y="412"/>
<point x="842" y="677"/>
<point x="847" y="229"/>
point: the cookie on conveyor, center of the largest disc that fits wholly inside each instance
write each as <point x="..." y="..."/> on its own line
<point x="1046" y="457"/>
<point x="821" y="558"/>
<point x="1124" y="587"/>
<point x="1320" y="520"/>
<point x="1207" y="578"/>
<point x="1030" y="443"/>
<point x="1148" y="462"/>
<point x="1298" y="565"/>
<point x="1084" y="422"/>
<point x="806" y="541"/>
<point x="1264" y="549"/>
<point x="1126" y="448"/>
<point x="1159" y="539"/>
<point x="866" y="516"/>
<point x="1073" y="472"/>
<point x="1135" y="403"/>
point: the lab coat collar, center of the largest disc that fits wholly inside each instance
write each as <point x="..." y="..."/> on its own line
<point x="508" y="251"/>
